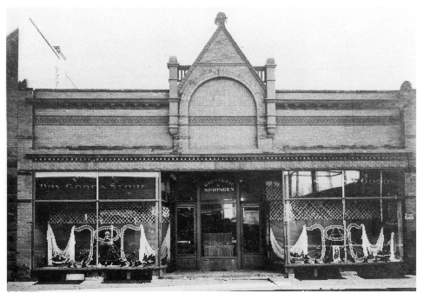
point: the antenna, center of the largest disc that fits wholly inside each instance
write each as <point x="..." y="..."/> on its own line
<point x="57" y="52"/>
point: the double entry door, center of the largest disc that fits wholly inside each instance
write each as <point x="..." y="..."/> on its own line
<point x="220" y="231"/>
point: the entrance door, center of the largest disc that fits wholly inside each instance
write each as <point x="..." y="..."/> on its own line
<point x="219" y="234"/>
<point x="252" y="236"/>
<point x="231" y="235"/>
<point x="185" y="236"/>
<point x="218" y="238"/>
<point x="222" y="227"/>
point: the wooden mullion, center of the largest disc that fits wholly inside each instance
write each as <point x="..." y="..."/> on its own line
<point x="344" y="213"/>
<point x="198" y="228"/>
<point x="128" y="200"/>
<point x="97" y="221"/>
<point x="239" y="224"/>
<point x="65" y="201"/>
<point x="284" y="185"/>
<point x="400" y="226"/>
<point x="158" y="220"/>
<point x="381" y="195"/>
<point x="314" y="198"/>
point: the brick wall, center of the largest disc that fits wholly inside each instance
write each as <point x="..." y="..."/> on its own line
<point x="14" y="97"/>
<point x="73" y="128"/>
<point x="338" y="128"/>
<point x="410" y="215"/>
<point x="222" y="116"/>
<point x="23" y="239"/>
<point x="24" y="188"/>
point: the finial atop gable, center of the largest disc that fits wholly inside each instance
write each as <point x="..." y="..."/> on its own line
<point x="406" y="86"/>
<point x="220" y="19"/>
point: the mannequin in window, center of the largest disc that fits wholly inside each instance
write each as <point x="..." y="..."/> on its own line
<point x="109" y="253"/>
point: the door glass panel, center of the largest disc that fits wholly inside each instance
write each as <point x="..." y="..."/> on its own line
<point x="251" y="188"/>
<point x="219" y="231"/>
<point x="185" y="230"/>
<point x="251" y="229"/>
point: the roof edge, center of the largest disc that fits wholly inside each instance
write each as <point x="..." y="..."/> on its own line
<point x="337" y="91"/>
<point x="103" y="90"/>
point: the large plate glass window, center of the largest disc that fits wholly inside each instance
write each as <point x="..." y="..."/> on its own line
<point x="343" y="216"/>
<point x="314" y="184"/>
<point x="97" y="219"/>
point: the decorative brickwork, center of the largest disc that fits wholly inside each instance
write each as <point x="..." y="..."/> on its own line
<point x="223" y="121"/>
<point x="351" y="156"/>
<point x="337" y="120"/>
<point x="101" y="120"/>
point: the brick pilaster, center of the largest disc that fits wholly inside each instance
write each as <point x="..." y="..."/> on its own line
<point x="271" y="123"/>
<point x="24" y="191"/>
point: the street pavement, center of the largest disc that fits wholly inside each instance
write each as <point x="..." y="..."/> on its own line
<point x="223" y="283"/>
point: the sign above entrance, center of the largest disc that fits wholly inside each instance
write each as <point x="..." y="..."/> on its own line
<point x="219" y="185"/>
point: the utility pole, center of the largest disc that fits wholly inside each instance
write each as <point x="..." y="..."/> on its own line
<point x="60" y="58"/>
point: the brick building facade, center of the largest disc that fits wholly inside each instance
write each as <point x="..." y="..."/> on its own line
<point x="245" y="175"/>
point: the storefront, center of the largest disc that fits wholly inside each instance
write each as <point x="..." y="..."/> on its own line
<point x="219" y="172"/>
<point x="102" y="219"/>
<point x="343" y="217"/>
<point x="219" y="221"/>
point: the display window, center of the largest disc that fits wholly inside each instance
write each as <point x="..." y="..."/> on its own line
<point x="343" y="216"/>
<point x="314" y="184"/>
<point x="99" y="219"/>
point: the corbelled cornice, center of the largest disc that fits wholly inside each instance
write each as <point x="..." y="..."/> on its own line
<point x="376" y="156"/>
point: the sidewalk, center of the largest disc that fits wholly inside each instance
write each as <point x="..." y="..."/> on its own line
<point x="260" y="283"/>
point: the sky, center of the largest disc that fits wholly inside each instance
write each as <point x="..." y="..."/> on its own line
<point x="342" y="48"/>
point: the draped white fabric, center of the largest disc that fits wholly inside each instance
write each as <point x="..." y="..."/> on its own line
<point x="369" y="248"/>
<point x="69" y="252"/>
<point x="301" y="246"/>
<point x="145" y="248"/>
<point x="53" y="249"/>
<point x="165" y="249"/>
<point x="392" y="248"/>
<point x="278" y="250"/>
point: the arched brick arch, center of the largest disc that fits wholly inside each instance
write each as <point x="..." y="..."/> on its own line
<point x="221" y="114"/>
<point x="247" y="81"/>
<point x="203" y="74"/>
